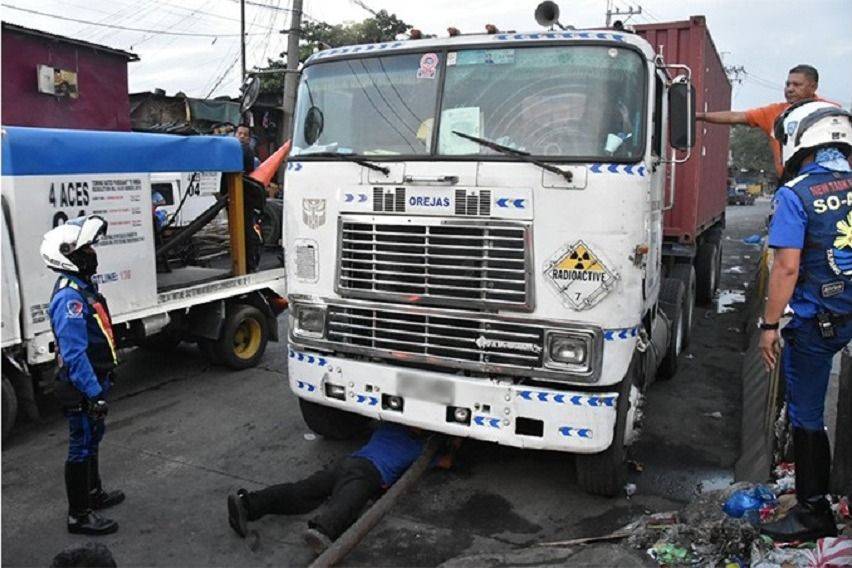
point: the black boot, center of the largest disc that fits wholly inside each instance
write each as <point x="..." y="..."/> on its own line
<point x="811" y="518"/>
<point x="81" y="519"/>
<point x="238" y="512"/>
<point x="98" y="498"/>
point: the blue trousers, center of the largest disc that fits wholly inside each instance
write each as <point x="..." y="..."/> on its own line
<point x="806" y="363"/>
<point x="85" y="434"/>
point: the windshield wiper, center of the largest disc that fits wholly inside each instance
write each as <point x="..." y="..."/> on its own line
<point x="349" y="157"/>
<point x="525" y="156"/>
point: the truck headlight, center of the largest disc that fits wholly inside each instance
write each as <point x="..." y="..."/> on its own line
<point x="309" y="321"/>
<point x="571" y="352"/>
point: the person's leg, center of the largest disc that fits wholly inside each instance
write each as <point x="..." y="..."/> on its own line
<point x="100" y="499"/>
<point x="81" y="519"/>
<point x="806" y="364"/>
<point x="358" y="482"/>
<point x="292" y="498"/>
<point x="282" y="499"/>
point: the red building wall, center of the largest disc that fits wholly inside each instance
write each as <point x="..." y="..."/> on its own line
<point x="103" y="103"/>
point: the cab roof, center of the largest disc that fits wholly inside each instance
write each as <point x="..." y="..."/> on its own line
<point x="50" y="151"/>
<point x="498" y="40"/>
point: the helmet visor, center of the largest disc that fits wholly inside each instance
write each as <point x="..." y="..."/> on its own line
<point x="92" y="228"/>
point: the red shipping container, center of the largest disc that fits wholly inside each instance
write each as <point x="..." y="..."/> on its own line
<point x="701" y="183"/>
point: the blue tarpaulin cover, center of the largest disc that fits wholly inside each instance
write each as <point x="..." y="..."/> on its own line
<point x="49" y="151"/>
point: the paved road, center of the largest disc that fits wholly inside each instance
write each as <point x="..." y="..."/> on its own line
<point x="182" y="434"/>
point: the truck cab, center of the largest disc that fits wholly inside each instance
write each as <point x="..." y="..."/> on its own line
<point x="474" y="236"/>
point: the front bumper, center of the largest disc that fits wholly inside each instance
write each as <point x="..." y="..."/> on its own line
<point x="511" y="415"/>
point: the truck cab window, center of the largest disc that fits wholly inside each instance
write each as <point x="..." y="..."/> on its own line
<point x="657" y="139"/>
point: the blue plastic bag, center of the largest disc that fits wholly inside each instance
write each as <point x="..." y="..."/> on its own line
<point x="747" y="503"/>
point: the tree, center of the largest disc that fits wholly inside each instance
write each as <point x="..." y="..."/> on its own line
<point x="320" y="35"/>
<point x="750" y="149"/>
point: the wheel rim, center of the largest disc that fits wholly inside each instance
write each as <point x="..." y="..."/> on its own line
<point x="247" y="339"/>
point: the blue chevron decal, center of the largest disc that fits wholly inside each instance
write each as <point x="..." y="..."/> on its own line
<point x="486" y="421"/>
<point x="310" y="359"/>
<point x="574" y="432"/>
<point x="305" y="386"/>
<point x="294" y="166"/>
<point x="562" y="398"/>
<point x="366" y="399"/>
<point x="620" y="333"/>
<point x="559" y="35"/>
<point x="628" y="169"/>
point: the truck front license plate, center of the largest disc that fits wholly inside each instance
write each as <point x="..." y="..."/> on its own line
<point x="425" y="388"/>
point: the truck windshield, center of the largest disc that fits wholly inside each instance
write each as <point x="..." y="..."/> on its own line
<point x="566" y="102"/>
<point x="369" y="106"/>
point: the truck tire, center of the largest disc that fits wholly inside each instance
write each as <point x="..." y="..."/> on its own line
<point x="332" y="423"/>
<point x="707" y="270"/>
<point x="244" y="337"/>
<point x="686" y="274"/>
<point x="10" y="407"/>
<point x="606" y="473"/>
<point x="671" y="302"/>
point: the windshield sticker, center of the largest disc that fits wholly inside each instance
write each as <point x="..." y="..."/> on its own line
<point x="428" y="65"/>
<point x="465" y="120"/>
<point x="451" y="58"/>
<point x="579" y="277"/>
<point x="486" y="57"/>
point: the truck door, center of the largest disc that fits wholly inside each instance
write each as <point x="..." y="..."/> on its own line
<point x="11" y="306"/>
<point x="661" y="176"/>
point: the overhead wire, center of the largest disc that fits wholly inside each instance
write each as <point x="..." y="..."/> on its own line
<point x="113" y="26"/>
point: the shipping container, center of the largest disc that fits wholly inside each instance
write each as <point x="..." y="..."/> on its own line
<point x="700" y="183"/>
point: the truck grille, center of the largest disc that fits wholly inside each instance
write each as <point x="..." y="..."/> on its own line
<point x="436" y="337"/>
<point x="437" y="262"/>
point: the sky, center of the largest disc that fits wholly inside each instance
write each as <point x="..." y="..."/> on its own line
<point x="765" y="37"/>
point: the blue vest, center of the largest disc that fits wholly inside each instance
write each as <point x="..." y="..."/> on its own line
<point x="826" y="266"/>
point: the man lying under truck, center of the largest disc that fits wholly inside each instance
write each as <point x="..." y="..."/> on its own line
<point x="338" y="492"/>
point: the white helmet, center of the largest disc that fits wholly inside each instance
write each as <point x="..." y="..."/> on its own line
<point x="60" y="243"/>
<point x="808" y="125"/>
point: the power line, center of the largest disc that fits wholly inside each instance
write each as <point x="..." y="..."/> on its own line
<point x="113" y="26"/>
<point x="361" y="4"/>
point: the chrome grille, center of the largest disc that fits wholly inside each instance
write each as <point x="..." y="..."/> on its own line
<point x="437" y="262"/>
<point x="433" y="337"/>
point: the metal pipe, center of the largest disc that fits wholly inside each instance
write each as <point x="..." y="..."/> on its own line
<point x="195" y="226"/>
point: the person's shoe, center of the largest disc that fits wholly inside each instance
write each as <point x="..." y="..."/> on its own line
<point x="100" y="499"/>
<point x="238" y="512"/>
<point x="803" y="523"/>
<point x="316" y="540"/>
<point x="90" y="523"/>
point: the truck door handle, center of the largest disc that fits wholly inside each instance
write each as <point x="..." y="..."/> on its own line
<point x="447" y="180"/>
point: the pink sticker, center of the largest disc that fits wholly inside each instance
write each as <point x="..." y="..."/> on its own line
<point x="428" y="66"/>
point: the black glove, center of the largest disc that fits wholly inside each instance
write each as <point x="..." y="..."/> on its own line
<point x="98" y="408"/>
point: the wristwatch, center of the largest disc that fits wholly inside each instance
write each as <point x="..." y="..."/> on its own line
<point x="761" y="323"/>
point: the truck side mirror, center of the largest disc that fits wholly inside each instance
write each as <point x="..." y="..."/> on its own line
<point x="682" y="115"/>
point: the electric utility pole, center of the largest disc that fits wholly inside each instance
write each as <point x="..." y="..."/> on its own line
<point x="243" y="41"/>
<point x="618" y="12"/>
<point x="291" y="78"/>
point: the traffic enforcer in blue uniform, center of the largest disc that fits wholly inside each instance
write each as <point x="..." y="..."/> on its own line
<point x="811" y="232"/>
<point x="86" y="354"/>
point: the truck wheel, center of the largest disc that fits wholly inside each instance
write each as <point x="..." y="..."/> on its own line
<point x="686" y="274"/>
<point x="244" y="336"/>
<point x="10" y="407"/>
<point x="671" y="302"/>
<point x="606" y="473"/>
<point x="707" y="268"/>
<point x="332" y="423"/>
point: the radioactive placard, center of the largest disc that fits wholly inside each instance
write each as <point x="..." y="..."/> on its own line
<point x="579" y="276"/>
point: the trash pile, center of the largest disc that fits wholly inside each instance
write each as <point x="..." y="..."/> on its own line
<point x="722" y="528"/>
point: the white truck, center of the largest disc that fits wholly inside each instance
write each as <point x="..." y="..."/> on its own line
<point x="52" y="175"/>
<point x="474" y="228"/>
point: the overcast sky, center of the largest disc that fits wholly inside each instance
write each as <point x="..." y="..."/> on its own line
<point x="766" y="37"/>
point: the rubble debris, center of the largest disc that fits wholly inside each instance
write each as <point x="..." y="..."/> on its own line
<point x="753" y="239"/>
<point x="668" y="554"/>
<point x="753" y="504"/>
<point x="716" y="414"/>
<point x="630" y="489"/>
